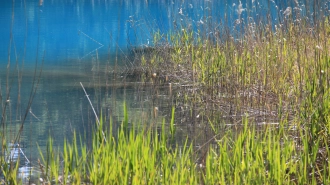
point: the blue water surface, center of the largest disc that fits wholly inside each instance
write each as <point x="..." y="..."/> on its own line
<point x="72" y="30"/>
<point x="62" y="31"/>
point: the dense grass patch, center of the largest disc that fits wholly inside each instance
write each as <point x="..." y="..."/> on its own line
<point x="144" y="156"/>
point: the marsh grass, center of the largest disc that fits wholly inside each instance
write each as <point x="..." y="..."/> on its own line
<point x="266" y="72"/>
<point x="266" y="84"/>
<point x="142" y="155"/>
<point x="261" y="70"/>
<point x="134" y="156"/>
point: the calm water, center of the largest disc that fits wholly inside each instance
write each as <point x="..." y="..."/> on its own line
<point x="70" y="31"/>
<point x="69" y="34"/>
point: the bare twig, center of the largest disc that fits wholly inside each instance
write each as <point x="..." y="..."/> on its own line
<point x="97" y="119"/>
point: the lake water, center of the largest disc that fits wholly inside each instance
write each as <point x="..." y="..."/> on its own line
<point x="70" y="31"/>
<point x="76" y="38"/>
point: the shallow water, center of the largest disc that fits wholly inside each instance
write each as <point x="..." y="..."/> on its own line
<point x="75" y="39"/>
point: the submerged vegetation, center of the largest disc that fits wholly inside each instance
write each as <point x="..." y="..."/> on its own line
<point x="260" y="88"/>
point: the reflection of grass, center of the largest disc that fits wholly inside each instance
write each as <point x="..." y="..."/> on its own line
<point x="10" y="143"/>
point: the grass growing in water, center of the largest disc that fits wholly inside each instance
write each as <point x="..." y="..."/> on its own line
<point x="144" y="156"/>
<point x="269" y="75"/>
<point x="133" y="157"/>
<point x="276" y="78"/>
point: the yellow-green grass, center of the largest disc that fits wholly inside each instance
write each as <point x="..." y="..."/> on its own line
<point x="144" y="156"/>
<point x="279" y="75"/>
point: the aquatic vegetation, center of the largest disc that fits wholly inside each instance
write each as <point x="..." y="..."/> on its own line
<point x="146" y="156"/>
<point x="269" y="86"/>
<point x="261" y="89"/>
<point x="269" y="74"/>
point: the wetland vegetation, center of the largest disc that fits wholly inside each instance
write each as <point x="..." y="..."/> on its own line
<point x="257" y="91"/>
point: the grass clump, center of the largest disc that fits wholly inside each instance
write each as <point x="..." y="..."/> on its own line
<point x="269" y="74"/>
<point x="129" y="157"/>
<point x="265" y="73"/>
<point x="142" y="156"/>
